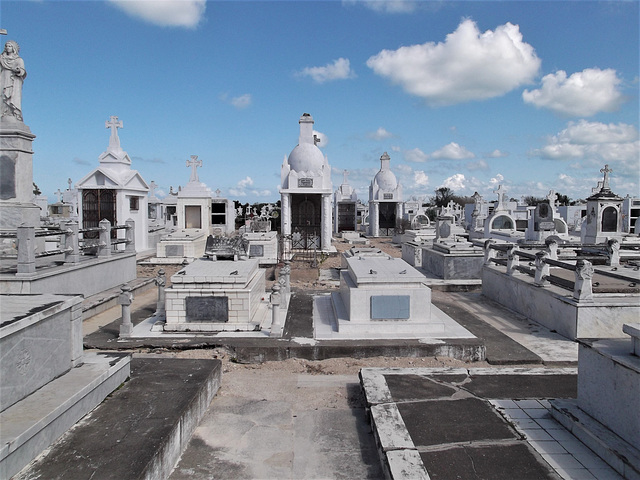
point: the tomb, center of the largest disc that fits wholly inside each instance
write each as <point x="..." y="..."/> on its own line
<point x="605" y="415"/>
<point x="223" y="215"/>
<point x="545" y="222"/>
<point x="262" y="242"/>
<point x="381" y="297"/>
<point x="604" y="213"/>
<point x="114" y="191"/>
<point x="345" y="200"/>
<point x="305" y="193"/>
<point x="385" y="200"/>
<point x="48" y="382"/>
<point x="215" y="296"/>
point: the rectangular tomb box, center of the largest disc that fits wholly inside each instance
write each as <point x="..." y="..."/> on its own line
<point x="215" y="296"/>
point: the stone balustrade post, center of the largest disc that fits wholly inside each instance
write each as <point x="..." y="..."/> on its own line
<point x="125" y="298"/>
<point x="489" y="252"/>
<point x="513" y="261"/>
<point x="541" y="278"/>
<point x="26" y="249"/>
<point x="583" y="286"/>
<point x="552" y="248"/>
<point x="161" y="281"/>
<point x="130" y="236"/>
<point x="70" y="237"/>
<point x="276" y="327"/>
<point x="104" y="243"/>
<point x="613" y="252"/>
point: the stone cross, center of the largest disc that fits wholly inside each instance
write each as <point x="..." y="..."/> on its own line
<point x="114" y="125"/>
<point x="316" y="139"/>
<point x="605" y="182"/>
<point x="551" y="197"/>
<point x="58" y="194"/>
<point x="194" y="163"/>
<point x="500" y="191"/>
<point x="345" y="174"/>
<point x="69" y="182"/>
<point x="218" y="192"/>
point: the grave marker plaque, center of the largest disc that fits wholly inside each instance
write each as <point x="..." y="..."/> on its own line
<point x="305" y="182"/>
<point x="174" y="250"/>
<point x="207" y="309"/>
<point x="390" y="307"/>
<point x="256" y="250"/>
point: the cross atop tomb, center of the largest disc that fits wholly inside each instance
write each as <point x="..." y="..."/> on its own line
<point x="114" y="125"/>
<point x="218" y="192"/>
<point x="605" y="182"/>
<point x="194" y="163"/>
<point x="69" y="182"/>
<point x="500" y="191"/>
<point x="58" y="194"/>
<point x="551" y="197"/>
<point x="345" y="174"/>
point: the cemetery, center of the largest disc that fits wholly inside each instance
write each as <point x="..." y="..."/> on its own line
<point x="521" y="311"/>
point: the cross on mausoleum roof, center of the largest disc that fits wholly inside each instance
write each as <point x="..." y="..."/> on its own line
<point x="194" y="163"/>
<point x="114" y="125"/>
<point x="500" y="191"/>
<point x="58" y="194"/>
<point x="605" y="182"/>
<point x="345" y="174"/>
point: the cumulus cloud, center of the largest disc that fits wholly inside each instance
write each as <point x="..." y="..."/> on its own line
<point x="420" y="178"/>
<point x="415" y="155"/>
<point x="468" y="65"/>
<point x="455" y="182"/>
<point x="596" y="141"/>
<point x="452" y="151"/>
<point x="380" y="134"/>
<point x="340" y="69"/>
<point x="498" y="154"/>
<point x="165" y="13"/>
<point x="243" y="101"/>
<point x="245" y="182"/>
<point x="496" y="180"/>
<point x="242" y="189"/>
<point x="582" y="94"/>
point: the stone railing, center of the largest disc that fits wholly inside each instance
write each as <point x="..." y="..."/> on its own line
<point x="72" y="243"/>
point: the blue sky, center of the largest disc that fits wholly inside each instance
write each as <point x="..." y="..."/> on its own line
<point x="531" y="95"/>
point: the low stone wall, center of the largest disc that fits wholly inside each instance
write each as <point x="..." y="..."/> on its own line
<point x="86" y="278"/>
<point x="555" y="308"/>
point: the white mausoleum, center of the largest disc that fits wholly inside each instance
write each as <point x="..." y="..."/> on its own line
<point x="385" y="200"/>
<point x="306" y="191"/>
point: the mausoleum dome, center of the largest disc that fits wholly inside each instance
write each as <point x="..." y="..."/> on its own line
<point x="306" y="158"/>
<point x="386" y="180"/>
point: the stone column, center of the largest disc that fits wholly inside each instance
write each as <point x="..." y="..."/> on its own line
<point x="583" y="287"/>
<point x="130" y="236"/>
<point x="374" y="229"/>
<point x="104" y="245"/>
<point x="26" y="252"/>
<point x="552" y="248"/>
<point x="513" y="261"/>
<point x="125" y="298"/>
<point x="285" y="212"/>
<point x="70" y="236"/>
<point x="489" y="252"/>
<point x="542" y="269"/>
<point x="161" y="281"/>
<point x="326" y="222"/>
<point x="276" y="328"/>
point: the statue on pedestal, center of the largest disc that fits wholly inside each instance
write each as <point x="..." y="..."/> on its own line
<point x="12" y="75"/>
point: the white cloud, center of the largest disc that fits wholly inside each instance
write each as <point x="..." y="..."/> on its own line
<point x="324" y="140"/>
<point x="582" y="94"/>
<point x="420" y="178"/>
<point x="452" y="151"/>
<point x="595" y="141"/>
<point x="468" y="65"/>
<point x="242" y="189"/>
<point x="455" y="182"/>
<point x="497" y="180"/>
<point x="166" y="13"/>
<point x="386" y="6"/>
<point x="498" y="154"/>
<point x="415" y="155"/>
<point x="380" y="134"/>
<point x="245" y="182"/>
<point x="478" y="165"/>
<point x="340" y="69"/>
<point x="243" y="101"/>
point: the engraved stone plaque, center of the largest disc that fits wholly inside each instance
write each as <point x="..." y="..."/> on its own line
<point x="305" y="182"/>
<point x="390" y="307"/>
<point x="207" y="309"/>
<point x="256" y="250"/>
<point x="174" y="250"/>
<point x="7" y="178"/>
<point x="387" y="196"/>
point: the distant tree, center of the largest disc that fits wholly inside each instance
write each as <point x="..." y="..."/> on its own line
<point x="533" y="201"/>
<point x="443" y="196"/>
<point x="562" y="199"/>
<point x="462" y="200"/>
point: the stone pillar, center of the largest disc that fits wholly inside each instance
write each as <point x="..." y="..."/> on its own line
<point x="125" y="298"/>
<point x="326" y="222"/>
<point x="489" y="252"/>
<point x="26" y="252"/>
<point x="130" y="236"/>
<point x="613" y="251"/>
<point x="513" y="261"/>
<point x="104" y="245"/>
<point x="276" y="327"/>
<point x="70" y="237"/>
<point x="552" y="248"/>
<point x="542" y="269"/>
<point x="374" y="224"/>
<point x="285" y="212"/>
<point x="161" y="281"/>
<point x="583" y="287"/>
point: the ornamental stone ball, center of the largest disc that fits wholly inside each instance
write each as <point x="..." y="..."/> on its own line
<point x="12" y="75"/>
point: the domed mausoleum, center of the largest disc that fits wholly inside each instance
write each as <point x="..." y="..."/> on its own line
<point x="385" y="200"/>
<point x="305" y="193"/>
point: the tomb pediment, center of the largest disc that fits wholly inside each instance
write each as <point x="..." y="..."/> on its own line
<point x="136" y="182"/>
<point x="99" y="178"/>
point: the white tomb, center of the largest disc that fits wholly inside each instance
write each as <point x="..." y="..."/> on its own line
<point x="305" y="192"/>
<point x="345" y="201"/>
<point x="213" y="296"/>
<point x="604" y="213"/>
<point x="114" y="191"/>
<point x="385" y="200"/>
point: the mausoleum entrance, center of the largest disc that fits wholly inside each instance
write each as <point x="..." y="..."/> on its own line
<point x="387" y="218"/>
<point x="97" y="205"/>
<point x="192" y="216"/>
<point x="346" y="216"/>
<point x="306" y="221"/>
